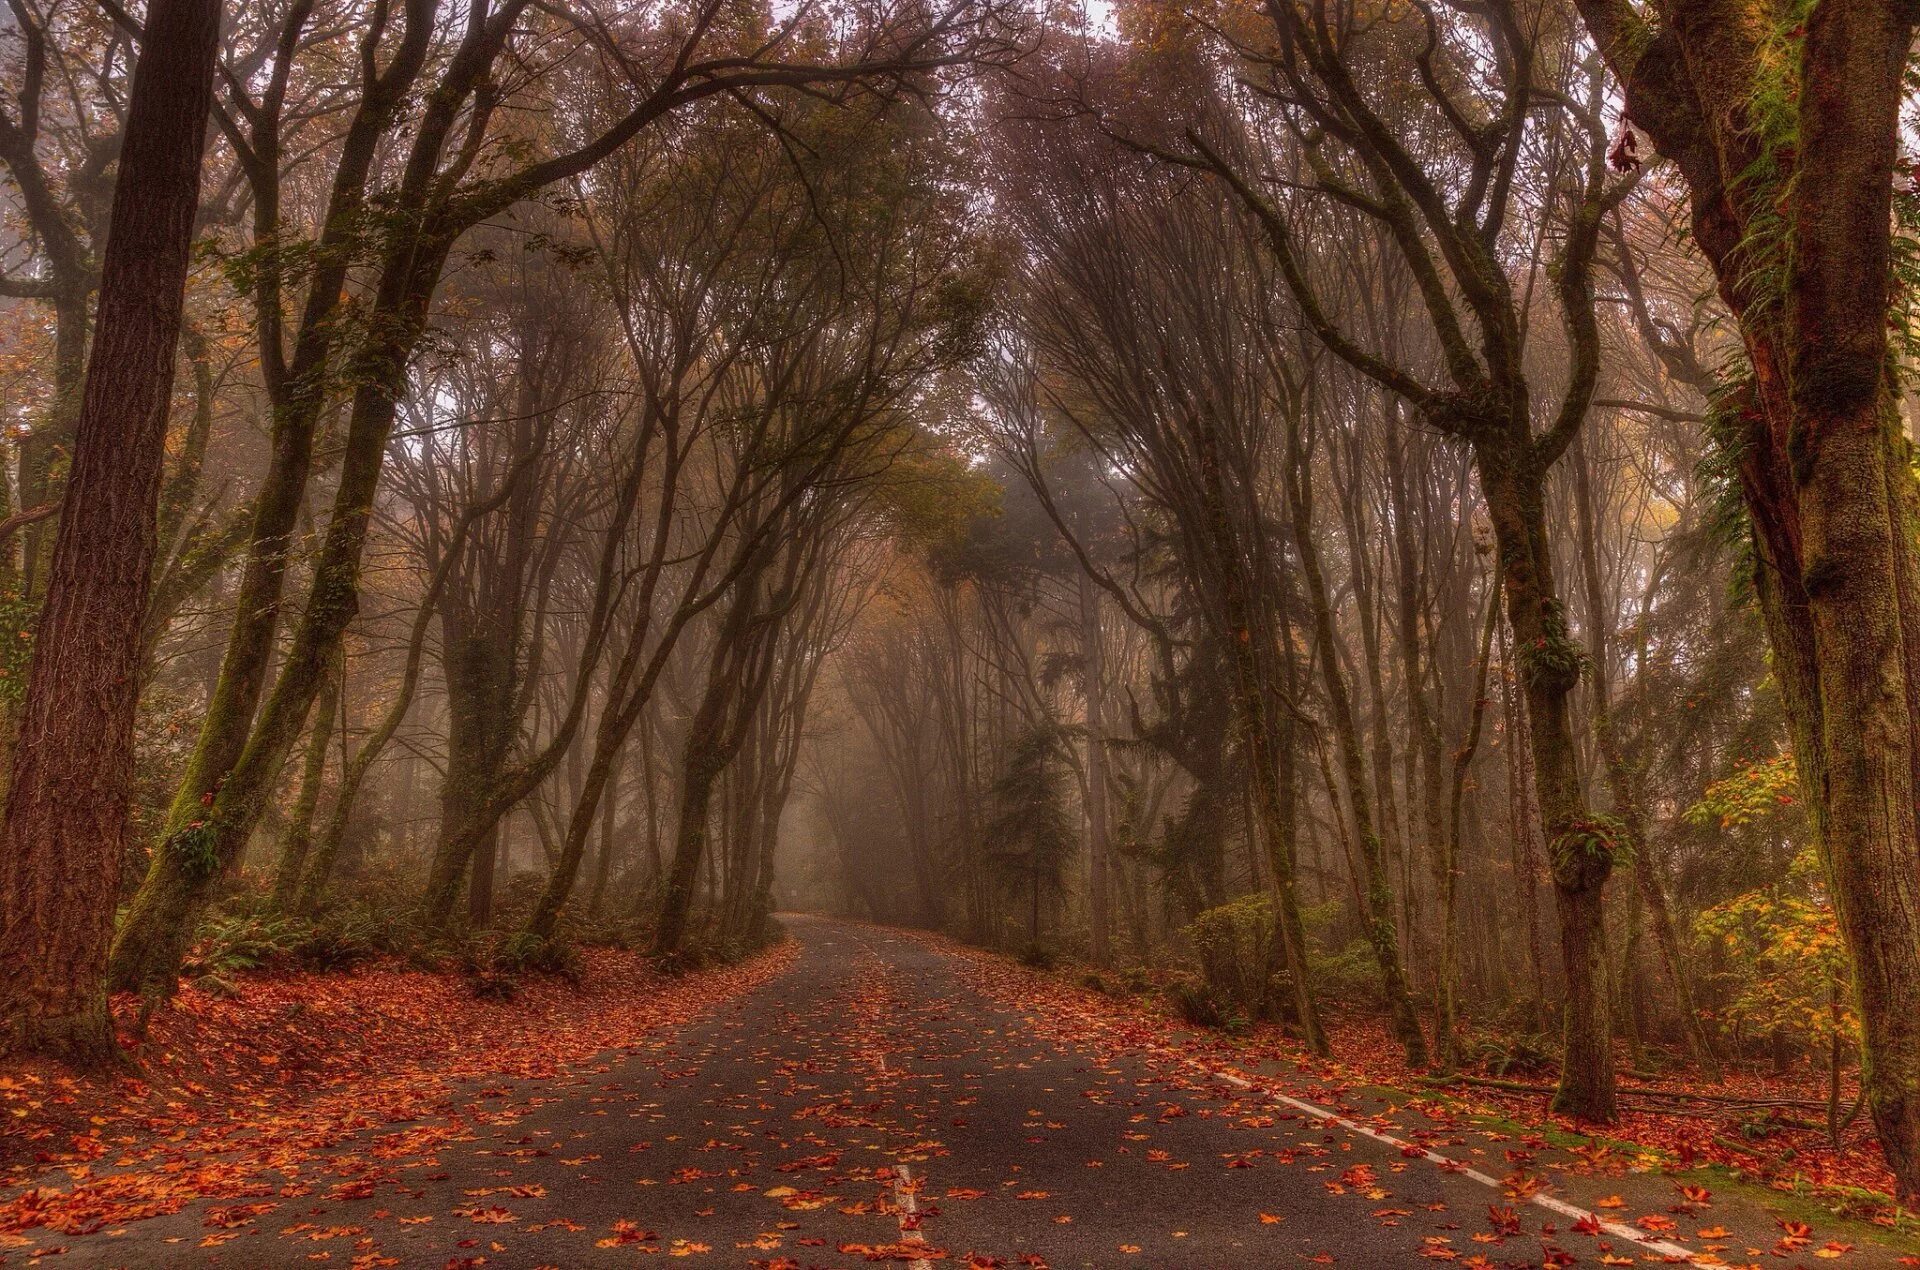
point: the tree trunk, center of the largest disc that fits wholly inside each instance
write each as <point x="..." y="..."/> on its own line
<point x="1579" y="853"/>
<point x="600" y="777"/>
<point x="700" y="771"/>
<point x="1377" y="888"/>
<point x="62" y="840"/>
<point x="609" y="811"/>
<point x="1621" y="785"/>
<point x="1804" y="257"/>
<point x="1098" y="847"/>
<point x="1447" y="865"/>
<point x="299" y="836"/>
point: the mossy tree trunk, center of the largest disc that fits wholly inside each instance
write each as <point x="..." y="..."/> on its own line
<point x="1787" y="138"/>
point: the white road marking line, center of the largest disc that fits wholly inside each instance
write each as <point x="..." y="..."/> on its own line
<point x="903" y="1195"/>
<point x="1619" y="1230"/>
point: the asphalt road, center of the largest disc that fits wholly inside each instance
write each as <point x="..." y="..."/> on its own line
<point x="874" y="1104"/>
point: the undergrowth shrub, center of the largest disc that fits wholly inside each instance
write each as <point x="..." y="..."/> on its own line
<point x="231" y="943"/>
<point x="1038" y="956"/>
<point x="1512" y="1056"/>
<point x="1238" y="950"/>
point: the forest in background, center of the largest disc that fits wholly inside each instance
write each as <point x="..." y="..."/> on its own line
<point x="1401" y="509"/>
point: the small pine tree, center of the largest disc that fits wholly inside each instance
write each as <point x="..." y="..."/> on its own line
<point x="1031" y="832"/>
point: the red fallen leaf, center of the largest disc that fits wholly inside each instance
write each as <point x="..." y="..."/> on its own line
<point x="1587" y="1224"/>
<point x="810" y="1162"/>
<point x="894" y="1252"/>
<point x="232" y="1215"/>
<point x="1505" y="1220"/>
<point x="624" y="1233"/>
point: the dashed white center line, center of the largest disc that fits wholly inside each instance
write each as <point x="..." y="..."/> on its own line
<point x="1672" y="1252"/>
<point x="903" y="1196"/>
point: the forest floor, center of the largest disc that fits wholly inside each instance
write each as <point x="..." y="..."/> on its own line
<point x="855" y="1095"/>
<point x="230" y="1092"/>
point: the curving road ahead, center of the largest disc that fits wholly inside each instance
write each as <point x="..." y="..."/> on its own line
<point x="878" y="1104"/>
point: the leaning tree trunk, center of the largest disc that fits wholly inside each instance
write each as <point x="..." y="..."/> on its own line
<point x="701" y="771"/>
<point x="1099" y="849"/>
<point x="158" y="927"/>
<point x="601" y="777"/>
<point x="62" y="839"/>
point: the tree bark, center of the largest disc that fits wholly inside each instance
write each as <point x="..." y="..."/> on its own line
<point x="62" y="840"/>
<point x="1621" y="786"/>
<point x="1803" y="254"/>
<point x="1579" y="855"/>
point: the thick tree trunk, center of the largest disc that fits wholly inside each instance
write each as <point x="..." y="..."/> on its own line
<point x="700" y="772"/>
<point x="714" y="736"/>
<point x="609" y="813"/>
<point x="485" y="854"/>
<point x="62" y="839"/>
<point x="1863" y="590"/>
<point x="1804" y="258"/>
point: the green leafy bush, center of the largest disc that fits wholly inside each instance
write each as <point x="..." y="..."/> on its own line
<point x="1784" y="968"/>
<point x="1238" y="948"/>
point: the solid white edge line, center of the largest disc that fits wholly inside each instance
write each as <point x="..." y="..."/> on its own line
<point x="909" y="1207"/>
<point x="1674" y="1252"/>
